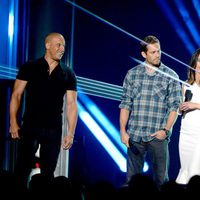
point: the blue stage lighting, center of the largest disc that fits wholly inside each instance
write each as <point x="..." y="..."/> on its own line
<point x="146" y="167"/>
<point x="103" y="120"/>
<point x="177" y="26"/>
<point x="196" y="4"/>
<point x="115" y="154"/>
<point x="188" y="21"/>
<point x="11" y="27"/>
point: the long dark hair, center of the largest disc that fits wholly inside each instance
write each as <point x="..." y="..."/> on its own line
<point x="193" y="64"/>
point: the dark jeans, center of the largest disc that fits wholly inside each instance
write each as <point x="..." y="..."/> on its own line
<point x="158" y="155"/>
<point x="50" y="142"/>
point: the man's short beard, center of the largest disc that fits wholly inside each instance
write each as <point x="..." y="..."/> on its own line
<point x="158" y="65"/>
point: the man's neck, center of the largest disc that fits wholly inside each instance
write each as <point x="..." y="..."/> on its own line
<point x="52" y="63"/>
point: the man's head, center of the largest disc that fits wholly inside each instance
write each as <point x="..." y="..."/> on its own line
<point x="150" y="50"/>
<point x="54" y="46"/>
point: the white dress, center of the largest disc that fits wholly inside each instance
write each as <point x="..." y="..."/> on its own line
<point x="189" y="141"/>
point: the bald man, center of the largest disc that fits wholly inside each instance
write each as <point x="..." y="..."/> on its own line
<point x="46" y="82"/>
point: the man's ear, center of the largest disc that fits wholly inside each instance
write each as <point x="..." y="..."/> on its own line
<point x="143" y="54"/>
<point x="47" y="45"/>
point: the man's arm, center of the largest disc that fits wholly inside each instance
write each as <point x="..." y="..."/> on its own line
<point x="71" y="115"/>
<point x="123" y="119"/>
<point x="161" y="134"/>
<point x="171" y="120"/>
<point x="15" y="101"/>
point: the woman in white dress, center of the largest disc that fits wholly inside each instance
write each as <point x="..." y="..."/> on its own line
<point x="189" y="139"/>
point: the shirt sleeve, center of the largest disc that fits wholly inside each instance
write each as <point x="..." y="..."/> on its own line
<point x="71" y="80"/>
<point x="175" y="97"/>
<point x="126" y="97"/>
<point x="24" y="72"/>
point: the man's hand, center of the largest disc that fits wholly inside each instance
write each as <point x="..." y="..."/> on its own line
<point x="125" y="138"/>
<point x="161" y="135"/>
<point x="67" y="142"/>
<point x="14" y="131"/>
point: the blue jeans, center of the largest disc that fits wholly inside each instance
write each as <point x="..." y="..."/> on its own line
<point x="159" y="157"/>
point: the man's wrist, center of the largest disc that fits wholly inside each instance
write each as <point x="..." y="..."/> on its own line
<point x="166" y="131"/>
<point x="70" y="135"/>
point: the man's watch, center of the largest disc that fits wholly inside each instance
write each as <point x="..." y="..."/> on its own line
<point x="166" y="131"/>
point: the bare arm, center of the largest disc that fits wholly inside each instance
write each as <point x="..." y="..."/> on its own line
<point x="71" y="115"/>
<point x="188" y="106"/>
<point x="123" y="119"/>
<point x="179" y="109"/>
<point x="15" y="101"/>
<point x="171" y="120"/>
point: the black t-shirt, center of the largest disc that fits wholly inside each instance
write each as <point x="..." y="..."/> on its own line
<point x="44" y="93"/>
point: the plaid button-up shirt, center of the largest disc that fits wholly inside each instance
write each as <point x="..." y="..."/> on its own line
<point x="149" y="98"/>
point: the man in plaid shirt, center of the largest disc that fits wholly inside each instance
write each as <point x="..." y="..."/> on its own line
<point x="148" y="110"/>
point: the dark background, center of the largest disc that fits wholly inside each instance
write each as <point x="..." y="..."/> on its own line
<point x="99" y="51"/>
